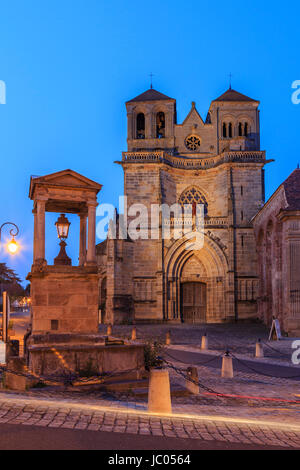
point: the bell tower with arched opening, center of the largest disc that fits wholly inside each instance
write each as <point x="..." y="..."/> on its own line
<point x="151" y="117"/>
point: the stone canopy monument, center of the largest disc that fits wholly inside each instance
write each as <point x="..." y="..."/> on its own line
<point x="65" y="298"/>
<point x="64" y="329"/>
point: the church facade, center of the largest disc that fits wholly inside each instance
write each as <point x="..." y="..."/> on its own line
<point x="216" y="161"/>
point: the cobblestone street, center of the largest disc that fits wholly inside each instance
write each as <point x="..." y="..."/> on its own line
<point x="71" y="415"/>
<point x="239" y="338"/>
<point x="274" y="421"/>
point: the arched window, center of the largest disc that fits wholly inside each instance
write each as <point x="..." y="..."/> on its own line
<point x="160" y="125"/>
<point x="140" y="126"/>
<point x="193" y="196"/>
<point x="230" y="130"/>
<point x="224" y="130"/>
<point x="243" y="129"/>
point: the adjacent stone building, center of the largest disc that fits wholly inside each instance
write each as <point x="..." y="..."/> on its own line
<point x="216" y="161"/>
<point x="277" y="231"/>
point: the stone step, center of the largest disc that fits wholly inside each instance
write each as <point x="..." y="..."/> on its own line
<point x="176" y="391"/>
<point x="138" y="388"/>
<point x="124" y="385"/>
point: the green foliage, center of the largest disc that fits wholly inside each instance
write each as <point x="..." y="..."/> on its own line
<point x="152" y="350"/>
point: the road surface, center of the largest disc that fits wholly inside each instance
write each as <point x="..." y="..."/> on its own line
<point x="18" y="437"/>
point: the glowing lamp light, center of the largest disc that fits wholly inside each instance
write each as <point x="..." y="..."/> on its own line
<point x="12" y="246"/>
<point x="62" y="227"/>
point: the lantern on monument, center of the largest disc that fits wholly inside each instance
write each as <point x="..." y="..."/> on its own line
<point x="62" y="227"/>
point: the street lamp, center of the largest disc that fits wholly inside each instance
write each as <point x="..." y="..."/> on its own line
<point x="62" y="227"/>
<point x="12" y="245"/>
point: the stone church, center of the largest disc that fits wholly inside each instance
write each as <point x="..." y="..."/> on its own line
<point x="216" y="161"/>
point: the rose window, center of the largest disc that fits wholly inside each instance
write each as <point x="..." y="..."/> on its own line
<point x="192" y="142"/>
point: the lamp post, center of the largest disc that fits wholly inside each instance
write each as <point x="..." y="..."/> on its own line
<point x="12" y="245"/>
<point x="62" y="227"/>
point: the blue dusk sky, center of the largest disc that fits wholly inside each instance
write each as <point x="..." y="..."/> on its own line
<point x="69" y="66"/>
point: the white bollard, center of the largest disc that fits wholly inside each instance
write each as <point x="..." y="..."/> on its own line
<point x="168" y="338"/>
<point x="259" y="350"/>
<point x="109" y="329"/>
<point x="227" y="368"/>
<point x="204" y="343"/>
<point x="133" y="334"/>
<point x="159" y="395"/>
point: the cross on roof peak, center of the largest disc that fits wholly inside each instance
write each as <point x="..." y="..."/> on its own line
<point x="151" y="76"/>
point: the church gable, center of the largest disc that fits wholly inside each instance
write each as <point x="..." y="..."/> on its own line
<point x="193" y="117"/>
<point x="193" y="136"/>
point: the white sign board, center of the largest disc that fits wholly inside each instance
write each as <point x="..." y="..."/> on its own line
<point x="275" y="330"/>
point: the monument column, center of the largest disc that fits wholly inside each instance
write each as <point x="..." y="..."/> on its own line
<point x="91" y="252"/>
<point x="39" y="231"/>
<point x="34" y="234"/>
<point x="82" y="240"/>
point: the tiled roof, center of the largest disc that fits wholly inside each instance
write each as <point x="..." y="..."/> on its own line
<point x="292" y="190"/>
<point x="150" y="95"/>
<point x="232" y="95"/>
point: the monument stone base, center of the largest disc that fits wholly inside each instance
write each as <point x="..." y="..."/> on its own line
<point x="64" y="299"/>
<point x="86" y="355"/>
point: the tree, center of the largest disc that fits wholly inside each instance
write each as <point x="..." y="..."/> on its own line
<point x="10" y="281"/>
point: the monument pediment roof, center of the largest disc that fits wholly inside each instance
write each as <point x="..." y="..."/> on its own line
<point x="65" y="178"/>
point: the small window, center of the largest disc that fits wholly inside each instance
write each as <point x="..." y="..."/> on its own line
<point x="246" y="129"/>
<point x="54" y="324"/>
<point x="230" y="130"/>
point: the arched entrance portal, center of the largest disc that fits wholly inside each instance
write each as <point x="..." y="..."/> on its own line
<point x="193" y="302"/>
<point x="197" y="283"/>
